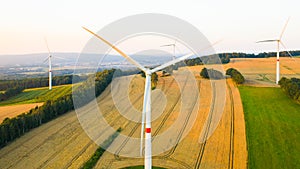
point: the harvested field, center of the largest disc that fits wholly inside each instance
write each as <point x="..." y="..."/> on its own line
<point x="261" y="71"/>
<point x="62" y="143"/>
<point x="225" y="148"/>
<point x="14" y="110"/>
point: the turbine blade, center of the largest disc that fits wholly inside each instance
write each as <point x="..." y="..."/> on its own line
<point x="46" y="60"/>
<point x="284" y="28"/>
<point x="174" y="61"/>
<point x="171" y="62"/>
<point x="47" y="47"/>
<point x="60" y="58"/>
<point x="167" y="45"/>
<point x="117" y="50"/>
<point x="263" y="41"/>
<point x="286" y="49"/>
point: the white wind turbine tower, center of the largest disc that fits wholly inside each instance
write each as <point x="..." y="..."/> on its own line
<point x="147" y="97"/>
<point x="279" y="42"/>
<point x="50" y="65"/>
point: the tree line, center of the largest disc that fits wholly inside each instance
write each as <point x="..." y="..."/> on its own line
<point x="225" y="57"/>
<point x="39" y="82"/>
<point x="235" y="75"/>
<point x="12" y="128"/>
<point x="291" y="87"/>
<point x="10" y="92"/>
<point x="208" y="60"/>
<point x="259" y="55"/>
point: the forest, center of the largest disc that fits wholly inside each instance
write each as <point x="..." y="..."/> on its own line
<point x="12" y="128"/>
<point x="39" y="82"/>
<point x="259" y="55"/>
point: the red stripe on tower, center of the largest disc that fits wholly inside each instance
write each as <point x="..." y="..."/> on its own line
<point x="148" y="130"/>
<point x="277" y="60"/>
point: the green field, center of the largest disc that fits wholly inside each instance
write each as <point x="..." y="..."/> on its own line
<point x="38" y="95"/>
<point x="272" y="128"/>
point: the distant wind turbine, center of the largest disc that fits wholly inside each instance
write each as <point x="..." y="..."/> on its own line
<point x="147" y="96"/>
<point x="50" y="65"/>
<point x="279" y="42"/>
<point x="174" y="55"/>
<point x="174" y="46"/>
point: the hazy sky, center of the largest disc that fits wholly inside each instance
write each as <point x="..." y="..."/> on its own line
<point x="24" y="24"/>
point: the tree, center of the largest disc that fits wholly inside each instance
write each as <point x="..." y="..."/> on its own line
<point x="291" y="87"/>
<point x="235" y="75"/>
<point x="211" y="74"/>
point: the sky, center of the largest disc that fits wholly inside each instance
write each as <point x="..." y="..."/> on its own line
<point x="238" y="23"/>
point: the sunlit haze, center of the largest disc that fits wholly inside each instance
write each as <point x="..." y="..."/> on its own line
<point x="24" y="24"/>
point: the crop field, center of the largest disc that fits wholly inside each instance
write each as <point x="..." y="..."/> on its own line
<point x="272" y="124"/>
<point x="224" y="148"/>
<point x="261" y="71"/>
<point x="38" y="95"/>
<point x="14" y="110"/>
<point x="63" y="143"/>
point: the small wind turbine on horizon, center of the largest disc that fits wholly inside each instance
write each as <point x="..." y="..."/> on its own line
<point x="49" y="59"/>
<point x="146" y="113"/>
<point x="174" y="55"/>
<point x="173" y="45"/>
<point x="279" y="42"/>
<point x="50" y="65"/>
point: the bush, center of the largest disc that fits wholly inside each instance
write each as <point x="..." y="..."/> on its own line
<point x="291" y="87"/>
<point x="211" y="74"/>
<point x="235" y="75"/>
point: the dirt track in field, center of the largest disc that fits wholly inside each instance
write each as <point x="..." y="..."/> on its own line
<point x="62" y="143"/>
<point x="14" y="110"/>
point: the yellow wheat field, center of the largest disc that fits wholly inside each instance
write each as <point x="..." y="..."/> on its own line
<point x="14" y="110"/>
<point x="62" y="143"/>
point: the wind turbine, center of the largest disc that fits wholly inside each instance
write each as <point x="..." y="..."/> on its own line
<point x="50" y="65"/>
<point x="172" y="44"/>
<point x="174" y="56"/>
<point x="279" y="42"/>
<point x="147" y="97"/>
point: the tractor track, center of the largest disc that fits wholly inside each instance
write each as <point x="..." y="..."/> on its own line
<point x="43" y="142"/>
<point x="116" y="155"/>
<point x="231" y="148"/>
<point x="56" y="132"/>
<point x="91" y="142"/>
<point x="202" y="146"/>
<point x="170" y="152"/>
<point x="59" y="120"/>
